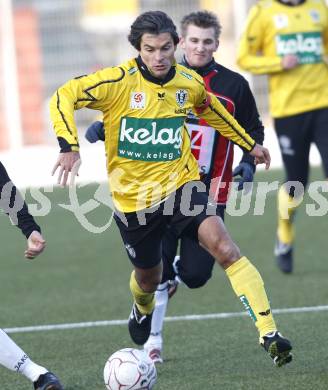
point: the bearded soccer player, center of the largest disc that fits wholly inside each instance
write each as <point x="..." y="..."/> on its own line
<point x="11" y="355"/>
<point x="288" y="40"/>
<point x="152" y="173"/>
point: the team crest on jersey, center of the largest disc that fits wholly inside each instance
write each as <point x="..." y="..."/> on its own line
<point x="280" y="20"/>
<point x="138" y="100"/>
<point x="181" y="97"/>
<point x="315" y="15"/>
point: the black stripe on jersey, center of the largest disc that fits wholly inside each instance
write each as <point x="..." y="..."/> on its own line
<point x="87" y="91"/>
<point x="232" y="126"/>
<point x="80" y="77"/>
<point x="200" y="82"/>
<point x="63" y="117"/>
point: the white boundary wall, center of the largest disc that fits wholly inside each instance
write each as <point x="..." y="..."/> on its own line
<point x="9" y="76"/>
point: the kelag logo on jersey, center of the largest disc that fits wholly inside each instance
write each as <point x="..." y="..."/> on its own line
<point x="149" y="139"/>
<point x="307" y="46"/>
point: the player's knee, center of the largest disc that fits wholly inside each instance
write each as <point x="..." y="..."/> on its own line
<point x="226" y="252"/>
<point x="195" y="281"/>
<point x="149" y="283"/>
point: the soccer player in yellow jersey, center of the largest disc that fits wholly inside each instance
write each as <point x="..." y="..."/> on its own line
<point x="288" y="40"/>
<point x="152" y="174"/>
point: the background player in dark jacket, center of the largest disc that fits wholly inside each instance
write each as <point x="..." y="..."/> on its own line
<point x="11" y="355"/>
<point x="214" y="153"/>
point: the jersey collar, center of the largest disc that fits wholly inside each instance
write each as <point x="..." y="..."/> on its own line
<point x="202" y="71"/>
<point x="290" y="4"/>
<point x="148" y="76"/>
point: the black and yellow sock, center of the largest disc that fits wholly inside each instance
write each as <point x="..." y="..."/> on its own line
<point x="249" y="287"/>
<point x="145" y="301"/>
<point x="286" y="210"/>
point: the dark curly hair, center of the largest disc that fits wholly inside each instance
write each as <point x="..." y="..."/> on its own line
<point x="151" y="22"/>
<point x="203" y="19"/>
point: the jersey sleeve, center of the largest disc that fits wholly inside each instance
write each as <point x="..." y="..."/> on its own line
<point x="250" y="49"/>
<point x="12" y="203"/>
<point x="247" y="114"/>
<point x="248" y="117"/>
<point x="91" y="91"/>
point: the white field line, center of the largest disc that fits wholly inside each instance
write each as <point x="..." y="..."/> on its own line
<point x="191" y="317"/>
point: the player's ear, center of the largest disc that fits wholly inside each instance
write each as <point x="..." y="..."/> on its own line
<point x="217" y="44"/>
<point x="182" y="42"/>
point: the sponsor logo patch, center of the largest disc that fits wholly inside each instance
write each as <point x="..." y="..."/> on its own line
<point x="248" y="308"/>
<point x="20" y="363"/>
<point x="315" y="15"/>
<point x="130" y="250"/>
<point x="280" y="21"/>
<point x="187" y="75"/>
<point x="132" y="70"/>
<point x="138" y="100"/>
<point x="307" y="46"/>
<point x="148" y="139"/>
<point x="265" y="313"/>
<point x="201" y="143"/>
<point x="286" y="145"/>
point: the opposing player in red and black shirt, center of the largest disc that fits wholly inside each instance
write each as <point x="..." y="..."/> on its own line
<point x="214" y="153"/>
<point x="11" y="355"/>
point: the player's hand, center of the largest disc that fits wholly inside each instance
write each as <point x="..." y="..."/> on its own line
<point x="95" y="132"/>
<point x="262" y="155"/>
<point x="68" y="163"/>
<point x="245" y="171"/>
<point x="289" y="61"/>
<point x="35" y="245"/>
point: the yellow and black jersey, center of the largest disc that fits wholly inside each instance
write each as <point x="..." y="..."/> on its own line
<point x="273" y="30"/>
<point x="147" y="145"/>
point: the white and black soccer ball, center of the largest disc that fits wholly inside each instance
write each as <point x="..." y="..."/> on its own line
<point x="130" y="369"/>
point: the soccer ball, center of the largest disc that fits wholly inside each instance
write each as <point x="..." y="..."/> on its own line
<point x="130" y="369"/>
